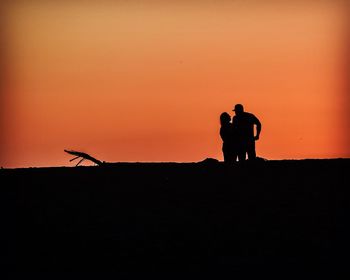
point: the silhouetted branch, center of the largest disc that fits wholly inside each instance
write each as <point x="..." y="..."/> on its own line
<point x="83" y="156"/>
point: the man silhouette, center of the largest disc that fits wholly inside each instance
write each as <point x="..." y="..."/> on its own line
<point x="244" y="123"/>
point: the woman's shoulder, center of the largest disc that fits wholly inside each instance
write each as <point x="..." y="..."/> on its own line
<point x="226" y="126"/>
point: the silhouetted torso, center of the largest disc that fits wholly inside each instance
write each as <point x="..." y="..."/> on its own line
<point x="244" y="125"/>
<point x="226" y="133"/>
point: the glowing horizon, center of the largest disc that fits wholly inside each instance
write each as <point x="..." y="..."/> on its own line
<point x="147" y="82"/>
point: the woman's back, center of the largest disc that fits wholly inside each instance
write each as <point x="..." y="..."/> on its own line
<point x="226" y="132"/>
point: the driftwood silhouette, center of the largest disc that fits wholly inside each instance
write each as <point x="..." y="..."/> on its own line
<point x="83" y="157"/>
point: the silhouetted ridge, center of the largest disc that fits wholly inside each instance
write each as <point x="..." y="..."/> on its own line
<point x="287" y="217"/>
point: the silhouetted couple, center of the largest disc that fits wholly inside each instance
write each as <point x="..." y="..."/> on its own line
<point x="238" y="136"/>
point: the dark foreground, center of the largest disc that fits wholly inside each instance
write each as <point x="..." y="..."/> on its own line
<point x="283" y="218"/>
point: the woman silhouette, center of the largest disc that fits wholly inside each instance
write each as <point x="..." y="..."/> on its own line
<point x="228" y="136"/>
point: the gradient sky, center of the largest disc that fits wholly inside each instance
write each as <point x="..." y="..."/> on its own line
<point x="147" y="80"/>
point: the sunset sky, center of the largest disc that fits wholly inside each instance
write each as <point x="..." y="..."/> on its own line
<point x="146" y="81"/>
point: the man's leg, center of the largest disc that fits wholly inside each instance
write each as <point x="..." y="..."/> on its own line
<point x="241" y="152"/>
<point x="251" y="150"/>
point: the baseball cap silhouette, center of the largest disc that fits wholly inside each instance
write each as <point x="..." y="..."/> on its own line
<point x="238" y="107"/>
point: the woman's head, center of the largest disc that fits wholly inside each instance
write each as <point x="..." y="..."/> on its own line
<point x="225" y="118"/>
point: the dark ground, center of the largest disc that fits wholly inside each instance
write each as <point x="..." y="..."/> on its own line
<point x="281" y="218"/>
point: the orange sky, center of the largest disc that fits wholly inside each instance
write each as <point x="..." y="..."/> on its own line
<point x="147" y="81"/>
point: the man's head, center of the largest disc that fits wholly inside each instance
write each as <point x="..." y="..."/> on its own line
<point x="238" y="109"/>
